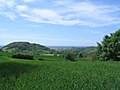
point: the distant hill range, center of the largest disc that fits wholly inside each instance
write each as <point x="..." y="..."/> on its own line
<point x="26" y="47"/>
<point x="71" y="47"/>
<point x="1" y="46"/>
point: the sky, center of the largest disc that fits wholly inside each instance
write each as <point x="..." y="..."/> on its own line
<point x="58" y="22"/>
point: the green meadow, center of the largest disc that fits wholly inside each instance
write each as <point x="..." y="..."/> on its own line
<point x="59" y="44"/>
<point x="57" y="74"/>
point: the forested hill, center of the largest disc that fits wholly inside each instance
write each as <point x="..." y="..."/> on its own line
<point x="26" y="47"/>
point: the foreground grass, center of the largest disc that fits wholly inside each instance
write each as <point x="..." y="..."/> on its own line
<point x="49" y="75"/>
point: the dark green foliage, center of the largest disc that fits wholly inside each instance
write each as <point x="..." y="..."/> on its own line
<point x="70" y="56"/>
<point x="35" y="75"/>
<point x="94" y="56"/>
<point x="8" y="69"/>
<point x="26" y="47"/>
<point x="52" y="51"/>
<point x="55" y="54"/>
<point x="109" y="48"/>
<point x="57" y="75"/>
<point x="41" y="59"/>
<point x="80" y="55"/>
<point x="22" y="56"/>
<point x="84" y="52"/>
<point x="0" y="50"/>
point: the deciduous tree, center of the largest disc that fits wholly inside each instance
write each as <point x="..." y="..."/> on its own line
<point x="109" y="48"/>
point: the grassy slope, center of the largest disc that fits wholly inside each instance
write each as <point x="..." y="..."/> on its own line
<point x="49" y="75"/>
<point x="48" y="57"/>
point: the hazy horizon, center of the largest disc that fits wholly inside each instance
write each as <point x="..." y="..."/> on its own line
<point x="49" y="45"/>
<point x="58" y="22"/>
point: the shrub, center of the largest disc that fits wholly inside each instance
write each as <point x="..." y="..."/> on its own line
<point x="41" y="59"/>
<point x="22" y="56"/>
<point x="109" y="48"/>
<point x="80" y="55"/>
<point x="0" y="50"/>
<point x="70" y="56"/>
<point x="55" y="54"/>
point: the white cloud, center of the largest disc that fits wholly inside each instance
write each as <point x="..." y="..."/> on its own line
<point x="9" y="14"/>
<point x="21" y="7"/>
<point x="28" y="0"/>
<point x="95" y="12"/>
<point x="8" y="3"/>
<point x="82" y="13"/>
<point x="45" y="14"/>
<point x="7" y="7"/>
<point x="66" y="12"/>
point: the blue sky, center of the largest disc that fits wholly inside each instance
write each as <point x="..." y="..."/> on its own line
<point x="58" y="22"/>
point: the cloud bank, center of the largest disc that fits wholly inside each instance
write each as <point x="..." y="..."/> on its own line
<point x="69" y="12"/>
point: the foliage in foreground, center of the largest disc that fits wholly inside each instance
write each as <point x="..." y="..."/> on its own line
<point x="38" y="75"/>
<point x="22" y="56"/>
<point x="109" y="48"/>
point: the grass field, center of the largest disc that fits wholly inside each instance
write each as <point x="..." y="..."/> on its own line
<point x="17" y="74"/>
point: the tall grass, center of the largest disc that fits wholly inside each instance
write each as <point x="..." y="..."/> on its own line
<point x="38" y="75"/>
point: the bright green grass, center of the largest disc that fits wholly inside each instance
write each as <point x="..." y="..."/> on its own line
<point x="16" y="74"/>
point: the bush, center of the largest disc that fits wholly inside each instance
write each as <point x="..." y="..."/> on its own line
<point x="55" y="54"/>
<point x="0" y="50"/>
<point x="22" y="56"/>
<point x="109" y="48"/>
<point x="70" y="56"/>
<point x="41" y="59"/>
<point x="80" y="55"/>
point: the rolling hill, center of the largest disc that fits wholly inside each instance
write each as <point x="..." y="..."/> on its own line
<point x="26" y="47"/>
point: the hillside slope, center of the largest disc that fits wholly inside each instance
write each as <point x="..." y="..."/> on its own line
<point x="26" y="47"/>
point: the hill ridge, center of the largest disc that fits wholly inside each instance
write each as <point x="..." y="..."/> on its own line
<point x="26" y="47"/>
